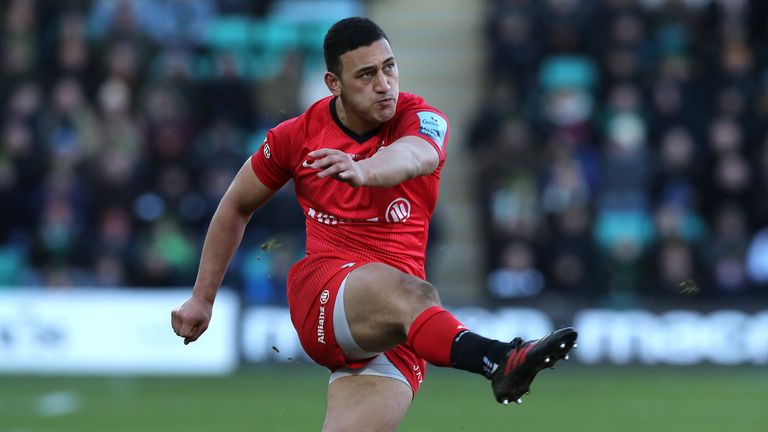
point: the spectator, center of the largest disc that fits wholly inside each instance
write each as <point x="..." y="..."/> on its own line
<point x="654" y="169"/>
<point x="116" y="142"/>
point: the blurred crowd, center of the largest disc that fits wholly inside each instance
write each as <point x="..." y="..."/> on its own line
<point x="622" y="148"/>
<point x="620" y="151"/>
<point x="123" y="123"/>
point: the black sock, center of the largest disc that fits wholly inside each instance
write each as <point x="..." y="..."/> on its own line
<point x="474" y="353"/>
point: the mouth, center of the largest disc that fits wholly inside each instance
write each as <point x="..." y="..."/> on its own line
<point x="386" y="101"/>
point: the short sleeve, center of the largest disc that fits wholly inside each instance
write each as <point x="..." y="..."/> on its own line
<point x="427" y="123"/>
<point x="270" y="163"/>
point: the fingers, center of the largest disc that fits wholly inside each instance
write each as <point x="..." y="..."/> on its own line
<point x="176" y="321"/>
<point x="335" y="164"/>
<point x="330" y="161"/>
<point x="190" y="329"/>
<point x="189" y="339"/>
<point x="334" y="169"/>
<point x="321" y="153"/>
<point x="195" y="332"/>
<point x="324" y="158"/>
<point x="181" y="326"/>
<point x="339" y="172"/>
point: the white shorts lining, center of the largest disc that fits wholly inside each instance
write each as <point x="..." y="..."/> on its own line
<point x="379" y="366"/>
<point x="344" y="339"/>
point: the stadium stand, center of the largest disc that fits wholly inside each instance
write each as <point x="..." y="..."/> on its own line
<point x="626" y="144"/>
<point x="123" y="123"/>
<point x="622" y="143"/>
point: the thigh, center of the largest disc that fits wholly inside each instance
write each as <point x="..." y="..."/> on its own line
<point x="366" y="403"/>
<point x="313" y="285"/>
<point x="381" y="302"/>
<point x="368" y="294"/>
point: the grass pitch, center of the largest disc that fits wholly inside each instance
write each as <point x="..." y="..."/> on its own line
<point x="291" y="398"/>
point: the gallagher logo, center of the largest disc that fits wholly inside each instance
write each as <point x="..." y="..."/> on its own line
<point x="267" y="153"/>
<point x="398" y="210"/>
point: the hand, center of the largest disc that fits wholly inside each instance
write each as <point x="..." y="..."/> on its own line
<point x="338" y="165"/>
<point x="191" y="319"/>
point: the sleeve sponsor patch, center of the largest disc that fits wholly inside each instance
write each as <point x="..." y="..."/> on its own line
<point x="433" y="126"/>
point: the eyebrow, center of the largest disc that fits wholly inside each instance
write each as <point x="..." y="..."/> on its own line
<point x="373" y="67"/>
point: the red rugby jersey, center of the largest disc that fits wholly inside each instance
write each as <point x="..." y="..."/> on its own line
<point x="388" y="225"/>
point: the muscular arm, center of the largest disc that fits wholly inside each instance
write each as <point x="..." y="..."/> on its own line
<point x="406" y="158"/>
<point x="244" y="196"/>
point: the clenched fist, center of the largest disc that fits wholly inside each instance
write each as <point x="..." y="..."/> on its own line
<point x="191" y="319"/>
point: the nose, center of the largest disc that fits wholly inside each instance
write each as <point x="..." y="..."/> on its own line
<point x="381" y="85"/>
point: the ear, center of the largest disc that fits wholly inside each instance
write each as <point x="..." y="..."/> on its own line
<point x="333" y="83"/>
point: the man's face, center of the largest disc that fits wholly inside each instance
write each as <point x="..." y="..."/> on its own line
<point x="368" y="85"/>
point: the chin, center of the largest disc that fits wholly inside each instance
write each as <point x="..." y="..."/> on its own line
<point x="385" y="116"/>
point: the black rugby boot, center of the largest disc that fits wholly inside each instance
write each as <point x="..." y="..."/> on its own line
<point x="513" y="378"/>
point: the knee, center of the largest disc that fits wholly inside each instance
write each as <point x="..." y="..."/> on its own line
<point x="418" y="293"/>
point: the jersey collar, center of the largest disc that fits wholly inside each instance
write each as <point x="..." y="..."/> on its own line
<point x="352" y="134"/>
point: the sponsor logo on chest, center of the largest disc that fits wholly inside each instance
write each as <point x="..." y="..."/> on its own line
<point x="398" y="211"/>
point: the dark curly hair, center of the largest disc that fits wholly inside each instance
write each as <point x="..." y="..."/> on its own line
<point x="347" y="35"/>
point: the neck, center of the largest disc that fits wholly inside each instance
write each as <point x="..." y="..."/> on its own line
<point x="350" y="121"/>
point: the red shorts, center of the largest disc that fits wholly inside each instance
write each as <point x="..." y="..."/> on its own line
<point x="313" y="284"/>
